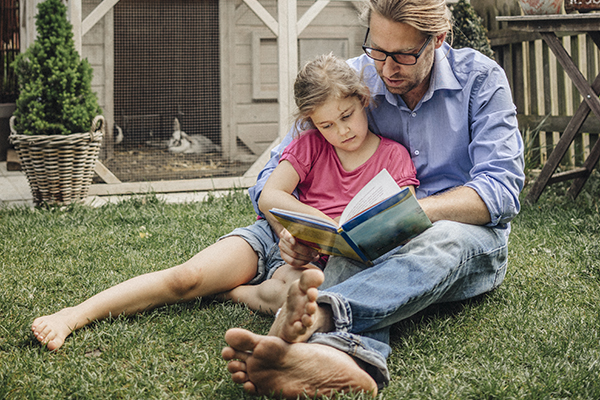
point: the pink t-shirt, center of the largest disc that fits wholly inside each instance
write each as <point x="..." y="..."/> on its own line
<point x="327" y="186"/>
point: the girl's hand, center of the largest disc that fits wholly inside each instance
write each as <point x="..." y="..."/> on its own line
<point x="294" y="253"/>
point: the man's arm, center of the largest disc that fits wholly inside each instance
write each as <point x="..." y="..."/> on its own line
<point x="256" y="190"/>
<point x="496" y="150"/>
<point x="461" y="204"/>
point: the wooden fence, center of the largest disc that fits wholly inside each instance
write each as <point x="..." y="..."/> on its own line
<point x="544" y="95"/>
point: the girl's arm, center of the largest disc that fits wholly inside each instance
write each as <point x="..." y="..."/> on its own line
<point x="277" y="193"/>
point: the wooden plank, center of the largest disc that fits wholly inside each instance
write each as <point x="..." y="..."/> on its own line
<point x="254" y="170"/>
<point x="227" y="74"/>
<point x="567" y="175"/>
<point x="575" y="23"/>
<point x="257" y="136"/>
<point x="97" y="14"/>
<point x="588" y="165"/>
<point x="503" y="37"/>
<point x="556" y="123"/>
<point x="576" y="77"/>
<point x="75" y="20"/>
<point x="187" y="185"/>
<point x="310" y="14"/>
<point x="264" y="15"/>
<point x="519" y="76"/>
<point x="561" y="148"/>
<point x="288" y="61"/>
<point x="105" y="174"/>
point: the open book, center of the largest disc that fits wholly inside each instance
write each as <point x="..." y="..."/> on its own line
<point x="379" y="218"/>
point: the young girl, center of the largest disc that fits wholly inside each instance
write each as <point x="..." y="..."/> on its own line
<point x="328" y="165"/>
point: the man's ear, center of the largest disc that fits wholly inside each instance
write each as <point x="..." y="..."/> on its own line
<point x="439" y="40"/>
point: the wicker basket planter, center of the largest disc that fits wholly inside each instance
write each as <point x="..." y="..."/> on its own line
<point x="59" y="168"/>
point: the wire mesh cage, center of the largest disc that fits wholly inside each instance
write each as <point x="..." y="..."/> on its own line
<point x="166" y="91"/>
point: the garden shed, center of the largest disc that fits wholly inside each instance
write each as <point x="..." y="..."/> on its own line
<point x="221" y="71"/>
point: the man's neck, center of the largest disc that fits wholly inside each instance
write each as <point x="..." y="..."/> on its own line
<point x="412" y="98"/>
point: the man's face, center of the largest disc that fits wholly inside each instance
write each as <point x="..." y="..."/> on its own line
<point x="409" y="81"/>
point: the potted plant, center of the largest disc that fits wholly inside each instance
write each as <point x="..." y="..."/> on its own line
<point x="57" y="128"/>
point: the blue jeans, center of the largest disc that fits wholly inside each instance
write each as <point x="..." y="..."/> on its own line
<point x="448" y="262"/>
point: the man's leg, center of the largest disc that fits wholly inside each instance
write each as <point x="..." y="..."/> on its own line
<point x="448" y="262"/>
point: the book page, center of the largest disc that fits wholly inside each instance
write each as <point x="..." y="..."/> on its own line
<point x="298" y="216"/>
<point x="378" y="189"/>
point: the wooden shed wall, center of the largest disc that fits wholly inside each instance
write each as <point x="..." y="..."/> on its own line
<point x="336" y="29"/>
<point x="254" y="107"/>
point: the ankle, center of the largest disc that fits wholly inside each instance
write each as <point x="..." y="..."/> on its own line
<point x="325" y="319"/>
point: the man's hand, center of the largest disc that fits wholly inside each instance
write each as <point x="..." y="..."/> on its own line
<point x="294" y="253"/>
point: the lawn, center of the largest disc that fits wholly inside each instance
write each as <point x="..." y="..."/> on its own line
<point x="535" y="337"/>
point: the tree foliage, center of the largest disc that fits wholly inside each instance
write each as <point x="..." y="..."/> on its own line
<point x="56" y="96"/>
<point x="469" y="30"/>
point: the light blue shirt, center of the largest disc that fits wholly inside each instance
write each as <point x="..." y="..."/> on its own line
<point x="463" y="132"/>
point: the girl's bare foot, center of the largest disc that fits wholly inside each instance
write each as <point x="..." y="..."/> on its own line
<point x="300" y="315"/>
<point x="268" y="365"/>
<point x="52" y="330"/>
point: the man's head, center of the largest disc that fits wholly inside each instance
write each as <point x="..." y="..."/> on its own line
<point x="406" y="26"/>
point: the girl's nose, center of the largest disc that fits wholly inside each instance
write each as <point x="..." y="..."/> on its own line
<point x="344" y="129"/>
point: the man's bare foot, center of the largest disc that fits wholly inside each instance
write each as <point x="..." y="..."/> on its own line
<point x="268" y="365"/>
<point x="300" y="315"/>
<point x="52" y="330"/>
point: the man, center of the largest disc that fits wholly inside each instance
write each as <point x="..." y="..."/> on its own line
<point x="452" y="109"/>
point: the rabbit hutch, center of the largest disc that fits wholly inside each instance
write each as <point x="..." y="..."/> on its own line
<point x="196" y="92"/>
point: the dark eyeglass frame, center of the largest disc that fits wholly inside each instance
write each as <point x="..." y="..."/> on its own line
<point x="416" y="55"/>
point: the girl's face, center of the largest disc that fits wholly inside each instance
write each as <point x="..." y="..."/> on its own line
<point x="343" y="123"/>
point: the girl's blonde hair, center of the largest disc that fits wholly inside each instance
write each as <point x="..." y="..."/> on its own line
<point x="324" y="78"/>
<point x="431" y="17"/>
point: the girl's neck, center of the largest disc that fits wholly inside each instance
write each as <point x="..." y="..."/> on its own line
<point x="351" y="161"/>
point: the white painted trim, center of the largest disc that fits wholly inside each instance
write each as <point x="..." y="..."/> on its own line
<point x="255" y="48"/>
<point x="288" y="61"/>
<point x="310" y="15"/>
<point x="264" y="15"/>
<point x="96" y="15"/>
<point x="75" y="19"/>
<point x="186" y="185"/>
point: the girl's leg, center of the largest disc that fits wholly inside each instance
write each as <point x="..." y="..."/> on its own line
<point x="269" y="295"/>
<point x="223" y="266"/>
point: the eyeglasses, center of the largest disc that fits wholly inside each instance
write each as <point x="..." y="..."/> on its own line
<point x="400" y="58"/>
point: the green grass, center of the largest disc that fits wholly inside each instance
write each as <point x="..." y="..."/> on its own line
<point x="535" y="337"/>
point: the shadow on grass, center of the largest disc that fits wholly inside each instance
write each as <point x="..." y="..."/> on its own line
<point x="433" y="313"/>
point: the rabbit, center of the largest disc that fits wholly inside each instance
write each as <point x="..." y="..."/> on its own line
<point x="181" y="142"/>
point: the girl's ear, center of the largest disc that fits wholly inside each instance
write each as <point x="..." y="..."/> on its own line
<point x="364" y="100"/>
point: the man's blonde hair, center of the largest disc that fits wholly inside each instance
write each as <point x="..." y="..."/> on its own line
<point x="324" y="78"/>
<point x="431" y="17"/>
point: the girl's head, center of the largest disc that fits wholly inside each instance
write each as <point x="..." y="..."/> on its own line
<point x="322" y="79"/>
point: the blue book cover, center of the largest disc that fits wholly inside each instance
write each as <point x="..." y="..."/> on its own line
<point x="382" y="222"/>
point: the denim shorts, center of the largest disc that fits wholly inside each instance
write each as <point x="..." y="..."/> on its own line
<point x="264" y="242"/>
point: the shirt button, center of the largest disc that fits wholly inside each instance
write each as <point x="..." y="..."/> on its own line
<point x="414" y="114"/>
<point x="416" y="152"/>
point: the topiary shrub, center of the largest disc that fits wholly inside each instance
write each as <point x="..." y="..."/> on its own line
<point x="469" y="30"/>
<point x="55" y="96"/>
